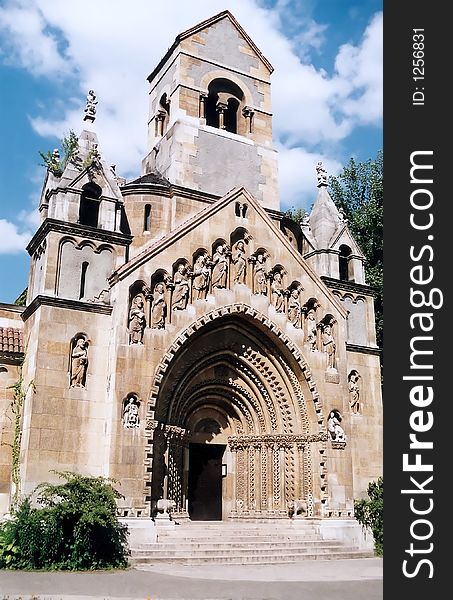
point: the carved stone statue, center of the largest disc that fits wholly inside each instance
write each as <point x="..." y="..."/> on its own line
<point x="321" y="174"/>
<point x="130" y="417"/>
<point x="260" y="275"/>
<point x="220" y="267"/>
<point x="278" y="293"/>
<point x="181" y="290"/>
<point x="159" y="307"/>
<point x="354" y="391"/>
<point x="90" y="108"/>
<point x="79" y="363"/>
<point x="239" y="262"/>
<point x="311" y="329"/>
<point x="334" y="428"/>
<point x="201" y="275"/>
<point x="294" y="308"/>
<point x="329" y="345"/>
<point x="137" y="321"/>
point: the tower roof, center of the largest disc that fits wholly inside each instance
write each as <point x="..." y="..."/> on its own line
<point x="204" y="25"/>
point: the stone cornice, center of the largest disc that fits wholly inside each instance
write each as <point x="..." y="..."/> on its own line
<point x="11" y="358"/>
<point x="85" y="231"/>
<point x="168" y="191"/>
<point x="12" y="307"/>
<point x="349" y="286"/>
<point x="91" y="307"/>
<point x="363" y="349"/>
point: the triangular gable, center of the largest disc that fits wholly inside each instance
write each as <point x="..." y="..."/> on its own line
<point x="204" y="25"/>
<point x="157" y="246"/>
<point x="343" y="234"/>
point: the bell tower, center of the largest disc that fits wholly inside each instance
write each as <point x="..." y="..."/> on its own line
<point x="210" y="120"/>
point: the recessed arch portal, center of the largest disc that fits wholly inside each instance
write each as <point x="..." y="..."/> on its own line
<point x="236" y="363"/>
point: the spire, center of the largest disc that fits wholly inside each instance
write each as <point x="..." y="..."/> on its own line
<point x="90" y="108"/>
<point x="325" y="217"/>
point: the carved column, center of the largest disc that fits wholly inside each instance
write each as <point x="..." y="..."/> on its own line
<point x="203" y="100"/>
<point x="248" y="114"/>
<point x="221" y="108"/>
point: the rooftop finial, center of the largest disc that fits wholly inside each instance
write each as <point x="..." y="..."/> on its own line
<point x="90" y="108"/>
<point x="321" y="174"/>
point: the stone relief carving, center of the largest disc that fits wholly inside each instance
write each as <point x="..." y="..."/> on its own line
<point x="311" y="329"/>
<point x="181" y="290"/>
<point x="79" y="362"/>
<point x="260" y="274"/>
<point x="278" y="292"/>
<point x="328" y="343"/>
<point x="137" y="320"/>
<point x="354" y="391"/>
<point x="130" y="417"/>
<point x="220" y="267"/>
<point x="240" y="262"/>
<point x="159" y="307"/>
<point x="334" y="428"/>
<point x="294" y="308"/>
<point x="201" y="274"/>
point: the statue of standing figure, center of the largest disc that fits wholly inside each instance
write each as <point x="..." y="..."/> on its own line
<point x="278" y="293"/>
<point x="354" y="391"/>
<point x="180" y="296"/>
<point x="294" y="308"/>
<point x="159" y="307"/>
<point x="311" y="329"/>
<point x="220" y="267"/>
<point x="260" y="275"/>
<point x="137" y="321"/>
<point x="79" y="363"/>
<point x="239" y="262"/>
<point x="329" y="345"/>
<point x="201" y="275"/>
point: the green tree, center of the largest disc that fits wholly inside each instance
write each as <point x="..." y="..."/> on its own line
<point x="75" y="528"/>
<point x="358" y="190"/>
<point x="369" y="513"/>
<point x="57" y="163"/>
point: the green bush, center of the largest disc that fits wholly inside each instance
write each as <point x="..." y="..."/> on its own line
<point x="76" y="528"/>
<point x="370" y="513"/>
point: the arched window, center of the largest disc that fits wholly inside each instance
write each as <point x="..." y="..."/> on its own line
<point x="83" y="276"/>
<point x="89" y="205"/>
<point x="343" y="262"/>
<point x="222" y="104"/>
<point x="147" y="218"/>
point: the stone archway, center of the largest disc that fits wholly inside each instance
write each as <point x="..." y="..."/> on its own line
<point x="236" y="371"/>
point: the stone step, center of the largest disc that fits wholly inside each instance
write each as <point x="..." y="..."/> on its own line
<point x="212" y="551"/>
<point x="244" y="545"/>
<point x="238" y="538"/>
<point x="240" y="559"/>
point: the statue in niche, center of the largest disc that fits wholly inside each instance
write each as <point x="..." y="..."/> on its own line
<point x="260" y="275"/>
<point x="130" y="417"/>
<point x="200" y="278"/>
<point x="329" y="345"/>
<point x="181" y="291"/>
<point x="137" y="320"/>
<point x="220" y="267"/>
<point x="311" y="329"/>
<point x="159" y="307"/>
<point x="278" y="293"/>
<point x="294" y="308"/>
<point x="354" y="391"/>
<point x="240" y="263"/>
<point x="334" y="428"/>
<point x="79" y="363"/>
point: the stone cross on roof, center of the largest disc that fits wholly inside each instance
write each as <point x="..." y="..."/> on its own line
<point x="321" y="174"/>
<point x="90" y="108"/>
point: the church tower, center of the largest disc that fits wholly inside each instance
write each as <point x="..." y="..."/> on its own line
<point x="210" y="120"/>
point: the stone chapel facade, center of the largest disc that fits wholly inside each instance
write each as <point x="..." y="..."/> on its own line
<point x="184" y="336"/>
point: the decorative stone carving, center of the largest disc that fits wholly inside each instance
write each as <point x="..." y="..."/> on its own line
<point x="159" y="307"/>
<point x="260" y="274"/>
<point x="240" y="262"/>
<point x="277" y="292"/>
<point x="328" y="344"/>
<point x="181" y="284"/>
<point x="130" y="417"/>
<point x="354" y="391"/>
<point x="90" y="108"/>
<point x="137" y="320"/>
<point x="79" y="362"/>
<point x="311" y="329"/>
<point x="201" y="274"/>
<point x="321" y="174"/>
<point x="334" y="428"/>
<point x="294" y="308"/>
<point x="220" y="267"/>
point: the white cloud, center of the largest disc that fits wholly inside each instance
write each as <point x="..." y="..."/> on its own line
<point x="11" y="240"/>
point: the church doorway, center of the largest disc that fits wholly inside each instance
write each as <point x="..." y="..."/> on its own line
<point x="205" y="482"/>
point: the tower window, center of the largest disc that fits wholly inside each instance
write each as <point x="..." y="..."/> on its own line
<point x="83" y="276"/>
<point x="343" y="262"/>
<point x="147" y="218"/>
<point x="89" y="205"/>
<point x="222" y="104"/>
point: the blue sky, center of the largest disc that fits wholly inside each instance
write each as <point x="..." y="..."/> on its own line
<point x="327" y="90"/>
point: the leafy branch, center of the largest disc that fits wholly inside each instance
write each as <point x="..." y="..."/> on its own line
<point x="57" y="163"/>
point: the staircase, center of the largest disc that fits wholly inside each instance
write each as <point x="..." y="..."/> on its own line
<point x="211" y="542"/>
